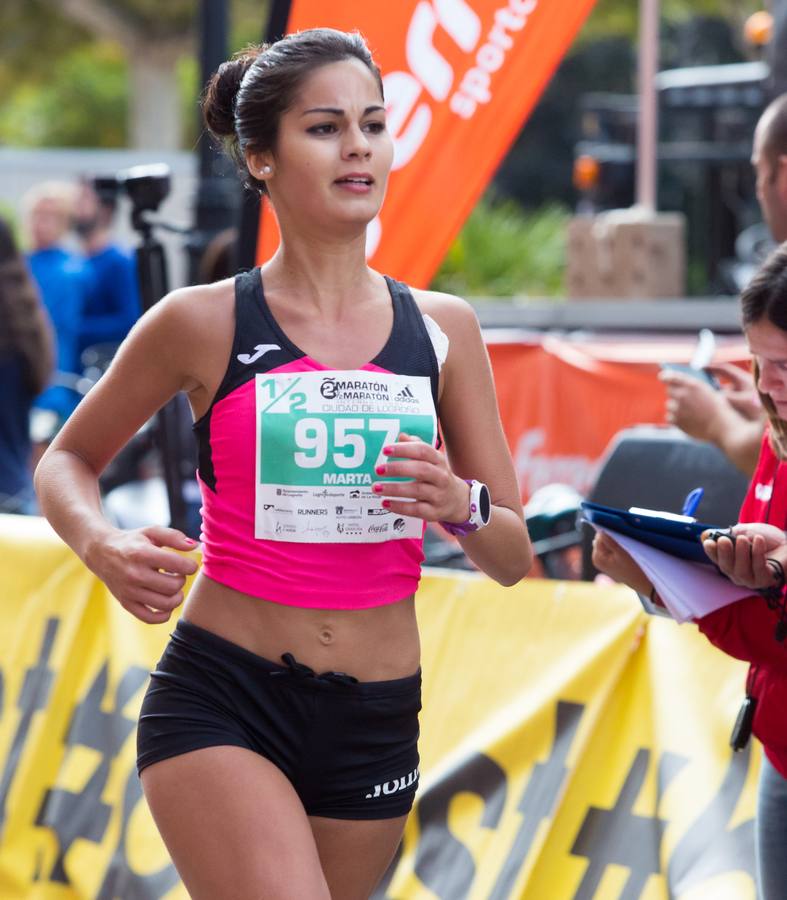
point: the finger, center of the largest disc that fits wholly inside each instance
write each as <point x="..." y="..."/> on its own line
<point x="725" y="555"/>
<point x="761" y="572"/>
<point x="164" y="583"/>
<point x="147" y="615"/>
<point x="153" y="600"/>
<point x="416" y="509"/>
<point x="152" y="557"/>
<point x="162" y="536"/>
<point x="735" y="374"/>
<point x="419" y="470"/>
<point x="742" y="570"/>
<point x="413" y="449"/>
<point x="710" y="549"/>
<point x="413" y="490"/>
<point x="670" y="377"/>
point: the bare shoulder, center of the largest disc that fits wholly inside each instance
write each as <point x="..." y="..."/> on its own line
<point x="199" y="309"/>
<point x="455" y="316"/>
<point x="188" y="332"/>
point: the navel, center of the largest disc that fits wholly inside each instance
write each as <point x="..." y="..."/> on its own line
<point x="326" y="635"/>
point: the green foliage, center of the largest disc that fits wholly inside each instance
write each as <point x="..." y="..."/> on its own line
<point x="504" y="250"/>
<point x="82" y="104"/>
<point x="621" y="17"/>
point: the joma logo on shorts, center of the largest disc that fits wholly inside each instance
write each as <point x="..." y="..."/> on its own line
<point x="393" y="787"/>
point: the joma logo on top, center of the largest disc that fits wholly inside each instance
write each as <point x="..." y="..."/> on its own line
<point x="431" y="72"/>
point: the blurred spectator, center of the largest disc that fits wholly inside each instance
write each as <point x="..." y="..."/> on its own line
<point x="62" y="281"/>
<point x="112" y="304"/>
<point x="726" y="418"/>
<point x="26" y="360"/>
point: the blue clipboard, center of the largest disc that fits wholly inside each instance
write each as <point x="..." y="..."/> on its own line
<point x="678" y="538"/>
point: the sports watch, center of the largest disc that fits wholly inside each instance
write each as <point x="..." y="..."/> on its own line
<point x="480" y="511"/>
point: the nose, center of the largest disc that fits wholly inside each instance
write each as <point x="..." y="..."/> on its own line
<point x="357" y="144"/>
<point x="769" y="377"/>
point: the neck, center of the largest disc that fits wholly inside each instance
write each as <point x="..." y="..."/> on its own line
<point x="96" y="241"/>
<point x="320" y="274"/>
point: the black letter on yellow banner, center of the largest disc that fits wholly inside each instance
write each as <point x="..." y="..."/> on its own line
<point x="84" y="815"/>
<point x="538" y="800"/>
<point x="617" y="836"/>
<point x="709" y="847"/>
<point x="32" y="698"/>
<point x="442" y="862"/>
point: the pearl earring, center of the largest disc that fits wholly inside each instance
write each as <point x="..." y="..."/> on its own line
<point x="266" y="170"/>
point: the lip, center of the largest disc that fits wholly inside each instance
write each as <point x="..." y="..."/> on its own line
<point x="356" y="176"/>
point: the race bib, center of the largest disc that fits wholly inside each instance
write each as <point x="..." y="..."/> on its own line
<point x="320" y="436"/>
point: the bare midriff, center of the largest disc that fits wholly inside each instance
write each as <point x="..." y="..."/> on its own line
<point x="375" y="644"/>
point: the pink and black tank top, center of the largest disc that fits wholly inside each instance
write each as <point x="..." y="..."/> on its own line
<point x="287" y="453"/>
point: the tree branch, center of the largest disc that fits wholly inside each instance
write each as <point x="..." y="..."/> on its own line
<point x="98" y="18"/>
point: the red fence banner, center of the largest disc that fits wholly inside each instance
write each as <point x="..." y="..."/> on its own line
<point x="460" y="79"/>
<point x="563" y="400"/>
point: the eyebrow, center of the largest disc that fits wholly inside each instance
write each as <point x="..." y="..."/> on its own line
<point x="340" y="112"/>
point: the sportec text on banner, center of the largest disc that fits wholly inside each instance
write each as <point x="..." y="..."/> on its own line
<point x="460" y="78"/>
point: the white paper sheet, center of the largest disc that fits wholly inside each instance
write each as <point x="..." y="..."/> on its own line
<point x="688" y="589"/>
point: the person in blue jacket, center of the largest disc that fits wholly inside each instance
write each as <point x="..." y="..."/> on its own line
<point x="113" y="303"/>
<point x="63" y="283"/>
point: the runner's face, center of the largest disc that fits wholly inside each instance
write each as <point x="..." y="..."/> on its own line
<point x="768" y="345"/>
<point x="333" y="152"/>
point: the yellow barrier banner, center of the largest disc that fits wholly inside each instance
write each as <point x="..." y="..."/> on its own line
<point x="572" y="747"/>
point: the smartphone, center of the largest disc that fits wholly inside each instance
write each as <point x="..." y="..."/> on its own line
<point x="702" y="374"/>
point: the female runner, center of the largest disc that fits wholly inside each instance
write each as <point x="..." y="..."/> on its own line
<point x="277" y="740"/>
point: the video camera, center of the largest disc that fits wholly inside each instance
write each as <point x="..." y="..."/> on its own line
<point x="147" y="186"/>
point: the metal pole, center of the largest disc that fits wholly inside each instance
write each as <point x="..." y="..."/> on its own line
<point x="218" y="192"/>
<point x="647" y="129"/>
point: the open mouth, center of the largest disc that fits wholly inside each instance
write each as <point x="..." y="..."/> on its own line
<point x="363" y="180"/>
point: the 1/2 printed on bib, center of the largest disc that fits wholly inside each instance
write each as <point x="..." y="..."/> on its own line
<point x="320" y="436"/>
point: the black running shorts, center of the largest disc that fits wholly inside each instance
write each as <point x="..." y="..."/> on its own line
<point x="348" y="747"/>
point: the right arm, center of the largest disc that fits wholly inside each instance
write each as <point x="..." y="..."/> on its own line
<point x="709" y="415"/>
<point x="743" y="629"/>
<point x="153" y="364"/>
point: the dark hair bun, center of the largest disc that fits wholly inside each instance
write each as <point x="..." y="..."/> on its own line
<point x="218" y="103"/>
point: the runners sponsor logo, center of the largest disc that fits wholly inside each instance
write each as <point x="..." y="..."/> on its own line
<point x="320" y="511"/>
<point x="394" y="786"/>
<point x="260" y="350"/>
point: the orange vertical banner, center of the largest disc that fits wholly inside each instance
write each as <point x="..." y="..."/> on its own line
<point x="460" y="78"/>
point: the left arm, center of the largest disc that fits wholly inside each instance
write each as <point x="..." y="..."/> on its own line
<point x="475" y="448"/>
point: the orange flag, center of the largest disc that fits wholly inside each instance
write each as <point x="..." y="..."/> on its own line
<point x="460" y="78"/>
